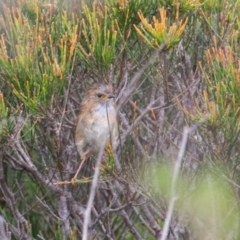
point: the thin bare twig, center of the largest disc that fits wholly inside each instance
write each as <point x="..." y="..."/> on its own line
<point x="12" y="205"/>
<point x="125" y="95"/>
<point x="4" y="234"/>
<point x="173" y="196"/>
<point x="92" y="194"/>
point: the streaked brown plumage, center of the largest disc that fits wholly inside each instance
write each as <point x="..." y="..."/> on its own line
<point x="96" y="123"/>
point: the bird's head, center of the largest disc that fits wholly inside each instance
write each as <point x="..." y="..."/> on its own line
<point x="100" y="93"/>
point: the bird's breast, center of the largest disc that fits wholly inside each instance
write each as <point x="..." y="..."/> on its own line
<point x="101" y="121"/>
<point x="96" y="125"/>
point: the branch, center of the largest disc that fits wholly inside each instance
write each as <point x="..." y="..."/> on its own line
<point x="92" y="194"/>
<point x="4" y="234"/>
<point x="173" y="196"/>
<point x="12" y="205"/>
<point x="125" y="95"/>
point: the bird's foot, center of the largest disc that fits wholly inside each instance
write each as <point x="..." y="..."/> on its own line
<point x="73" y="181"/>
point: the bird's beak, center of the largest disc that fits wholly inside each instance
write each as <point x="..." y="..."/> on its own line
<point x="111" y="95"/>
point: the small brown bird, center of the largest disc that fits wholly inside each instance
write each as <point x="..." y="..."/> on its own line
<point x="96" y="123"/>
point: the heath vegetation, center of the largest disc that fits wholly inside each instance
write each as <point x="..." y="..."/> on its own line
<point x="175" y="68"/>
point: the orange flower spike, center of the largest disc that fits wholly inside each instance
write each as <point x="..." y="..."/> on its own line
<point x="229" y="54"/>
<point x="135" y="107"/>
<point x="153" y="114"/>
<point x="182" y="27"/>
<point x="73" y="42"/>
<point x="144" y="21"/>
<point x="134" y="110"/>
<point x="234" y="101"/>
<point x="158" y="30"/>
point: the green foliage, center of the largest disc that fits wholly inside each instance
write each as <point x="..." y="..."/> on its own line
<point x="160" y="32"/>
<point x="98" y="37"/>
<point x="207" y="203"/>
<point x="125" y="13"/>
<point x="217" y="110"/>
<point x="48" y="56"/>
<point x="3" y="108"/>
<point x="34" y="56"/>
<point x="220" y="114"/>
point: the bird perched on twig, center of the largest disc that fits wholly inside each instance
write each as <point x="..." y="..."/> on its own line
<point x="97" y="123"/>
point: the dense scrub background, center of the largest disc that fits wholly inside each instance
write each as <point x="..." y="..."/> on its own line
<point x="174" y="65"/>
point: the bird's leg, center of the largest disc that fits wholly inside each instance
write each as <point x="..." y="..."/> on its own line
<point x="109" y="149"/>
<point x="74" y="179"/>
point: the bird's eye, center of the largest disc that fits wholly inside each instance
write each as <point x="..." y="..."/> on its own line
<point x="100" y="95"/>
